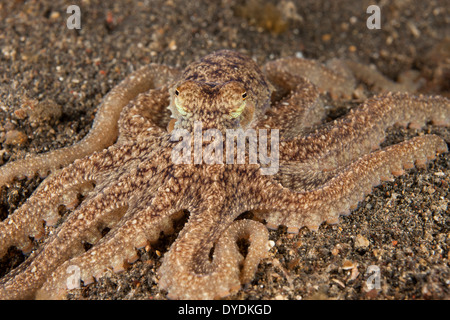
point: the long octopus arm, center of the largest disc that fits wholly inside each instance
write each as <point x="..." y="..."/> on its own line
<point x="104" y="130"/>
<point x="339" y="83"/>
<point x="61" y="188"/>
<point x="299" y="176"/>
<point x="281" y="206"/>
<point x="300" y="110"/>
<point x="104" y="208"/>
<point x="373" y="78"/>
<point x="336" y="76"/>
<point x="146" y="217"/>
<point x="359" y="132"/>
<point x="188" y="273"/>
<point x="205" y="262"/>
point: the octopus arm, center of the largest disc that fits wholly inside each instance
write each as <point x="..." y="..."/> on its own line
<point x="281" y="73"/>
<point x="116" y="249"/>
<point x="189" y="272"/>
<point x="339" y="195"/>
<point x="342" y="141"/>
<point x="61" y="188"/>
<point x="299" y="176"/>
<point x="103" y="207"/>
<point x="336" y="76"/>
<point x="146" y="116"/>
<point x="294" y="114"/>
<point x="374" y="79"/>
<point x="104" y="129"/>
<point x="65" y="243"/>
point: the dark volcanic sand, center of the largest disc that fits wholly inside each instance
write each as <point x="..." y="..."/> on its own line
<point x="53" y="78"/>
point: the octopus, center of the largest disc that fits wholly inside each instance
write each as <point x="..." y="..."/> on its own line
<point x="121" y="187"/>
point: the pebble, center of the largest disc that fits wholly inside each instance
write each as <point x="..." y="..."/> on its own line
<point x="361" y="242"/>
<point x="15" y="137"/>
<point x="172" y="45"/>
<point x="335" y="251"/>
<point x="348" y="265"/>
<point x="326" y="37"/>
<point x="55" y="15"/>
<point x="338" y="282"/>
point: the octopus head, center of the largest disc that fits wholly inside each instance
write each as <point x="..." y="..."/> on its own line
<point x="217" y="106"/>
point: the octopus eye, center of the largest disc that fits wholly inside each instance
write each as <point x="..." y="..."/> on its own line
<point x="244" y="96"/>
<point x="236" y="113"/>
<point x="178" y="104"/>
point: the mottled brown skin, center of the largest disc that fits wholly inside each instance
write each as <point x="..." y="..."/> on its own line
<point x="135" y="189"/>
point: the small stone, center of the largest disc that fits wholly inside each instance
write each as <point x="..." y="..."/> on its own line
<point x="40" y="112"/>
<point x="358" y="93"/>
<point x="20" y="113"/>
<point x="335" y="251"/>
<point x="372" y="294"/>
<point x="414" y="30"/>
<point x="354" y="274"/>
<point x="15" y="137"/>
<point x="55" y="15"/>
<point x="361" y="242"/>
<point x="326" y="37"/>
<point x="338" y="282"/>
<point x="298" y="244"/>
<point x="348" y="265"/>
<point x="172" y="45"/>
